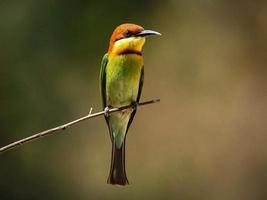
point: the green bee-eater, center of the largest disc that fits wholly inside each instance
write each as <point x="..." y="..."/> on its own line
<point x="121" y="81"/>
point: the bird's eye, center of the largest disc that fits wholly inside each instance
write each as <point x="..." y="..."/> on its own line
<point x="128" y="33"/>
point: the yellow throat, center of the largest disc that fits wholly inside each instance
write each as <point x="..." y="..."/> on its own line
<point x="131" y="44"/>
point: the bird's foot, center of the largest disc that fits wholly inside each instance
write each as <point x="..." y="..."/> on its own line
<point x="134" y="105"/>
<point x="107" y="109"/>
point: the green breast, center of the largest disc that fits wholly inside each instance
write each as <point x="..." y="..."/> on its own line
<point x="122" y="79"/>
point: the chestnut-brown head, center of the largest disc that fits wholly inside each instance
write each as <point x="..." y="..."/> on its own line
<point x="128" y="38"/>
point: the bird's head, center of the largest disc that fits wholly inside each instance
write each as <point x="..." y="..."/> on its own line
<point x="128" y="38"/>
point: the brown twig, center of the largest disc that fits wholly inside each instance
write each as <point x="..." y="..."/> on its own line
<point x="67" y="125"/>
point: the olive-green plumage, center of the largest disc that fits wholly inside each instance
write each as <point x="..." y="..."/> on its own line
<point x="121" y="81"/>
<point x="121" y="84"/>
<point x="122" y="87"/>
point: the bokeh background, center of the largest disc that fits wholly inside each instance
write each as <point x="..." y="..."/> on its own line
<point x="206" y="139"/>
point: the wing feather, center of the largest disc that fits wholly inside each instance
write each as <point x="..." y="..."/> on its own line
<point x="141" y="82"/>
<point x="103" y="80"/>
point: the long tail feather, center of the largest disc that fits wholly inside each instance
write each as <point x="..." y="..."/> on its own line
<point x="117" y="175"/>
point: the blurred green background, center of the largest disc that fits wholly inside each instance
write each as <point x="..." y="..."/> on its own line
<point x="206" y="139"/>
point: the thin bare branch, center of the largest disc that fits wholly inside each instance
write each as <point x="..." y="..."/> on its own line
<point x="67" y="125"/>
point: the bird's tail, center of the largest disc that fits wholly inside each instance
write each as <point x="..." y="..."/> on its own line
<point x="117" y="174"/>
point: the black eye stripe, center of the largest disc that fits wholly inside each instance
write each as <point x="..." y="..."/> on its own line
<point x="128" y="33"/>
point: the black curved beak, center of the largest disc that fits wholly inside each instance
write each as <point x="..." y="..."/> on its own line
<point x="147" y="33"/>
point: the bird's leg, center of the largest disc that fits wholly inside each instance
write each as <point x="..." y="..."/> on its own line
<point x="134" y="105"/>
<point x="107" y="111"/>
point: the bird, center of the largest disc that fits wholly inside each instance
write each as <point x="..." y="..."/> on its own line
<point x="121" y="82"/>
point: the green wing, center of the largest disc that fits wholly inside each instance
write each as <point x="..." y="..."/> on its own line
<point x="102" y="85"/>
<point x="103" y="80"/>
<point x="141" y="82"/>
